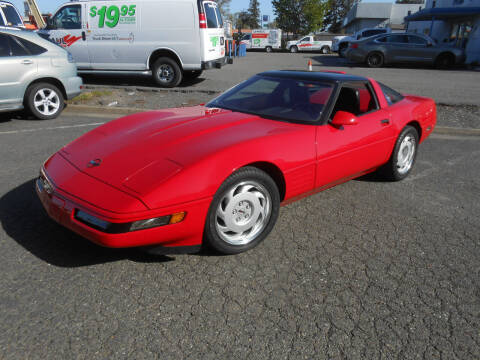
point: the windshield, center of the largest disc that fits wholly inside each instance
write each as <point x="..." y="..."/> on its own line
<point x="281" y="98"/>
<point x="12" y="16"/>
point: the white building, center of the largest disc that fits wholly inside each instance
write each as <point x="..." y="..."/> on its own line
<point x="369" y="15"/>
<point x="456" y="22"/>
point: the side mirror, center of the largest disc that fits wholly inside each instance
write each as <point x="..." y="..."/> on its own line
<point x="342" y="118"/>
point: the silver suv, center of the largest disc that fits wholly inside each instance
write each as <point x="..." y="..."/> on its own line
<point x="35" y="74"/>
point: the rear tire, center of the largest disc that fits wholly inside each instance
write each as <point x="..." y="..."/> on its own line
<point x="325" y="50"/>
<point x="444" y="61"/>
<point x="166" y="72"/>
<point x="268" y="49"/>
<point x="293" y="49"/>
<point x="44" y="101"/>
<point x="341" y="50"/>
<point x="243" y="211"/>
<point x="403" y="156"/>
<point x="375" y="60"/>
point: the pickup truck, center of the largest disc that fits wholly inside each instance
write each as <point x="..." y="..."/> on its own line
<point x="340" y="43"/>
<point x="310" y="43"/>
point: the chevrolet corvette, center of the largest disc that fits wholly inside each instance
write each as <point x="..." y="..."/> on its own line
<point x="216" y="174"/>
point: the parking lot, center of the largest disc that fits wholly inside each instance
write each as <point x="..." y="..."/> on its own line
<point x="368" y="269"/>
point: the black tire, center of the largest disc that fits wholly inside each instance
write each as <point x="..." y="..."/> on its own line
<point x="268" y="49"/>
<point x="293" y="49"/>
<point x="166" y="72"/>
<point x="238" y="185"/>
<point x="325" y="50"/>
<point x="50" y="95"/>
<point x="444" y="61"/>
<point x="375" y="60"/>
<point x="192" y="74"/>
<point x="391" y="170"/>
<point x="341" y="50"/>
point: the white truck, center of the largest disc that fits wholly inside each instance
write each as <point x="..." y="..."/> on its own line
<point x="169" y="39"/>
<point x="340" y="43"/>
<point x="267" y="39"/>
<point x="310" y="43"/>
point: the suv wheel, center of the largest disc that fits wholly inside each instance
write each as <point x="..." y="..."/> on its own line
<point x="166" y="72"/>
<point x="44" y="101"/>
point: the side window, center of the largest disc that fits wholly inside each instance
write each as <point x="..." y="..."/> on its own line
<point x="355" y="98"/>
<point x="17" y="49"/>
<point x="397" y="39"/>
<point x="382" y="39"/>
<point x="390" y="95"/>
<point x="13" y="19"/>
<point x="4" y="46"/>
<point x="2" y="23"/>
<point x="34" y="49"/>
<point x="416" y="40"/>
<point x="68" y="17"/>
<point x="305" y="39"/>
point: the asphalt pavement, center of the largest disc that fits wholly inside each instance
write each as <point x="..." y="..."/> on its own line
<point x="366" y="270"/>
<point x="457" y="86"/>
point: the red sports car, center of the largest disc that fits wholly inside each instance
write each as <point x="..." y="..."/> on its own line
<point x="217" y="174"/>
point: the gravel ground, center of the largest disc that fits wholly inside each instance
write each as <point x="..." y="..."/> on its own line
<point x="463" y="116"/>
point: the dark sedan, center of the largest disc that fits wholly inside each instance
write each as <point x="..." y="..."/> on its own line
<point x="379" y="50"/>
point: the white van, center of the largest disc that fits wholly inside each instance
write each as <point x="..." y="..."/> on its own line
<point x="9" y="16"/>
<point x="263" y="39"/>
<point x="170" y="39"/>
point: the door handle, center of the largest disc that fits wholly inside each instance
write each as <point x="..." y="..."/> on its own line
<point x="84" y="36"/>
<point x="385" y="121"/>
<point x="27" y="62"/>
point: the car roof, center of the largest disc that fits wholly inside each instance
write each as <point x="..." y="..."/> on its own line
<point x="313" y="75"/>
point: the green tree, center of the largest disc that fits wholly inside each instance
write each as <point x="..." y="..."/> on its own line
<point x="224" y="6"/>
<point x="336" y="11"/>
<point x="242" y="20"/>
<point x="254" y="14"/>
<point x="299" y="16"/>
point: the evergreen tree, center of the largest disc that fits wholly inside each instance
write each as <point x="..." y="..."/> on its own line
<point x="254" y="14"/>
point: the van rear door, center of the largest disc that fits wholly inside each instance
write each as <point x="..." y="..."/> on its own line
<point x="212" y="33"/>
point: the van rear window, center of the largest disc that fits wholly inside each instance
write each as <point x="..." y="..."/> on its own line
<point x="12" y="16"/>
<point x="211" y="15"/>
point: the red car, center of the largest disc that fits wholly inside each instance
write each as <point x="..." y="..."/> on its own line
<point x="217" y="174"/>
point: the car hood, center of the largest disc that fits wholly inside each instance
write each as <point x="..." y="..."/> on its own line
<point x="128" y="152"/>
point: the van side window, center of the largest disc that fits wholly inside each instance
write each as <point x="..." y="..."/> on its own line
<point x="68" y="17"/>
<point x="4" y="46"/>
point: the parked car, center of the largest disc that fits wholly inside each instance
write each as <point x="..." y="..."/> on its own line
<point x="35" y="74"/>
<point x="341" y="44"/>
<point x="9" y="16"/>
<point x="171" y="40"/>
<point x="266" y="39"/>
<point x="403" y="48"/>
<point x="217" y="174"/>
<point x="310" y="43"/>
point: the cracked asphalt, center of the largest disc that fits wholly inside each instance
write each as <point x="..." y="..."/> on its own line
<point x="365" y="270"/>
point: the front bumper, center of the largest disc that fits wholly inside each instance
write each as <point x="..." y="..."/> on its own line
<point x="62" y="207"/>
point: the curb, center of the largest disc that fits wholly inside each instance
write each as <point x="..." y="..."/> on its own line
<point x="150" y="89"/>
<point x="105" y="110"/>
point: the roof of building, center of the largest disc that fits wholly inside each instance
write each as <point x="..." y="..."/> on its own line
<point x="443" y="13"/>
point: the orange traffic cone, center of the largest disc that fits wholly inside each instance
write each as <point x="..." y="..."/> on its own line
<point x="310" y="65"/>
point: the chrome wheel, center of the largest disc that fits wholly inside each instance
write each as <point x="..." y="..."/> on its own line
<point x="406" y="154"/>
<point x="166" y="73"/>
<point x="243" y="212"/>
<point x="46" y="101"/>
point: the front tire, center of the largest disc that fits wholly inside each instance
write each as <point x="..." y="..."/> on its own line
<point x="444" y="61"/>
<point x="375" y="60"/>
<point x="166" y="72"/>
<point x="44" y="101"/>
<point x="243" y="211"/>
<point x="293" y="49"/>
<point x="403" y="157"/>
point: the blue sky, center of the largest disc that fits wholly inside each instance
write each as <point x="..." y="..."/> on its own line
<point x="236" y="5"/>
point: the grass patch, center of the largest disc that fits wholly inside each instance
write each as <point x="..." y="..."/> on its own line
<point x="89" y="95"/>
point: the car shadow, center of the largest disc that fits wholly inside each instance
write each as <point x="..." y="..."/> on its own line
<point x="24" y="220"/>
<point x="132" y="80"/>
